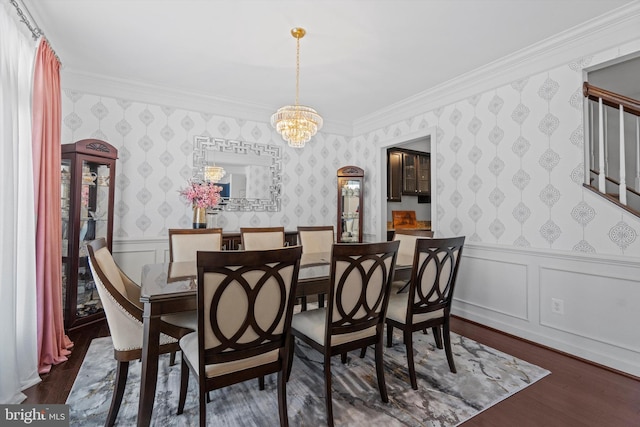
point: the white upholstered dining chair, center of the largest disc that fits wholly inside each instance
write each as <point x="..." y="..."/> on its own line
<point x="260" y="238"/>
<point x="407" y="238"/>
<point x="185" y="242"/>
<point x="316" y="239"/>
<point x="120" y="298"/>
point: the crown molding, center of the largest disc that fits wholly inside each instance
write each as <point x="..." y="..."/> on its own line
<point x="611" y="29"/>
<point x="103" y="85"/>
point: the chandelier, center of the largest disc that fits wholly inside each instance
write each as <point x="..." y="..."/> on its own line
<point x="213" y="173"/>
<point x="296" y="123"/>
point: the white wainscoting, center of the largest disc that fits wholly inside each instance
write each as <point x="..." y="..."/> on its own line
<point x="511" y="289"/>
<point x="132" y="254"/>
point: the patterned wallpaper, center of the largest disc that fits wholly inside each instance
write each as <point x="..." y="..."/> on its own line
<point x="155" y="143"/>
<point x="509" y="166"/>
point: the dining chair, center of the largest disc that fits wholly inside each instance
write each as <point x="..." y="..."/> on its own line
<point x="354" y="317"/>
<point x="428" y="302"/>
<point x="407" y="238"/>
<point x="120" y="298"/>
<point x="260" y="238"/>
<point x="315" y="239"/>
<point x="185" y="242"/>
<point x="183" y="245"/>
<point x="245" y="304"/>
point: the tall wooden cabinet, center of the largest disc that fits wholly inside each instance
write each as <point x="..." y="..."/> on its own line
<point x="88" y="170"/>
<point x="350" y="204"/>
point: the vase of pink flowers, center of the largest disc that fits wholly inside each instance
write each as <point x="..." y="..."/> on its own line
<point x="201" y="196"/>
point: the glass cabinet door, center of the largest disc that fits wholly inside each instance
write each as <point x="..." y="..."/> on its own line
<point x="350" y="206"/>
<point x="87" y="175"/>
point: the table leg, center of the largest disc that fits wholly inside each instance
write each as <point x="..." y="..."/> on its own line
<point x="149" y="378"/>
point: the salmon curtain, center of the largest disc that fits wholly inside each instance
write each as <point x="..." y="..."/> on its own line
<point x="53" y="344"/>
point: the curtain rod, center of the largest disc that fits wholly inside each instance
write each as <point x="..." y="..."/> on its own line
<point x="35" y="30"/>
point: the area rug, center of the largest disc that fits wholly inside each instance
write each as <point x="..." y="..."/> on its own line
<point x="485" y="377"/>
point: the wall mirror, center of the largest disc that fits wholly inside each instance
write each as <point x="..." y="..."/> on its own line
<point x="253" y="172"/>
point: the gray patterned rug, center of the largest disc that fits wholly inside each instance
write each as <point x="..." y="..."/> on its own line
<point x="485" y="377"/>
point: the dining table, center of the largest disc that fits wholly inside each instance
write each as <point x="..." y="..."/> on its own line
<point x="170" y="287"/>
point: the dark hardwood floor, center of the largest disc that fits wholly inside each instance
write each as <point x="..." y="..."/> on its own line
<point x="576" y="393"/>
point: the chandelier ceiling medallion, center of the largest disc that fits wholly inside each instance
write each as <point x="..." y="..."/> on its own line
<point x="296" y="123"/>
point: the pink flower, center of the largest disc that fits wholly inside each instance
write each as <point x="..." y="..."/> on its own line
<point x="202" y="194"/>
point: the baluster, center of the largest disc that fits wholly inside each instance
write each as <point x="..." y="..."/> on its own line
<point x="601" y="172"/>
<point x="622" y="188"/>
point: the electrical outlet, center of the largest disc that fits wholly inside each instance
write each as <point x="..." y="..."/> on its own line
<point x="557" y="306"/>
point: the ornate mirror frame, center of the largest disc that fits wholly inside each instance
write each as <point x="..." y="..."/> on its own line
<point x="270" y="154"/>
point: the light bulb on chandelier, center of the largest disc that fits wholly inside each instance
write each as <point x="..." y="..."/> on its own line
<point x="297" y="123"/>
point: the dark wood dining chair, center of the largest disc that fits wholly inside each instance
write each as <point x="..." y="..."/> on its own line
<point x="428" y="302"/>
<point x="354" y="317"/>
<point x="315" y="239"/>
<point x="245" y="304"/>
<point x="407" y="238"/>
<point x="120" y="298"/>
<point x="185" y="242"/>
<point x="260" y="238"/>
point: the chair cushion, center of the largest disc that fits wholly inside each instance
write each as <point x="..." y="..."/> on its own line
<point x="397" y="310"/>
<point x="312" y="323"/>
<point x="189" y="347"/>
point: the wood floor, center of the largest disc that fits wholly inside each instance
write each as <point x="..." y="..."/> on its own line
<point x="575" y="394"/>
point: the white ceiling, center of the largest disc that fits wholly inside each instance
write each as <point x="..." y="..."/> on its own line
<point x="357" y="58"/>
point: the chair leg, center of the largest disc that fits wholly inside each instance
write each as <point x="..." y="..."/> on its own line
<point x="327" y="389"/>
<point x="343" y="357"/>
<point x="447" y="347"/>
<point x="363" y="352"/>
<point x="389" y="335"/>
<point x="408" y="342"/>
<point x="320" y="300"/>
<point x="382" y="386"/>
<point x="208" y="398"/>
<point x="261" y="382"/>
<point x="303" y="301"/>
<point x="202" y="406"/>
<point x="290" y="361"/>
<point x="121" y="381"/>
<point x="437" y="336"/>
<point x="282" y="399"/>
<point x="184" y="383"/>
<point x="172" y="358"/>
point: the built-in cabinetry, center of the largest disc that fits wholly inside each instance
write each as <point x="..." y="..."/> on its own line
<point x="350" y="204"/>
<point x="87" y="170"/>
<point x="408" y="173"/>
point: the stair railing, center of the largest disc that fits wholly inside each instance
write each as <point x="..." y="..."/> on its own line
<point x="624" y="105"/>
